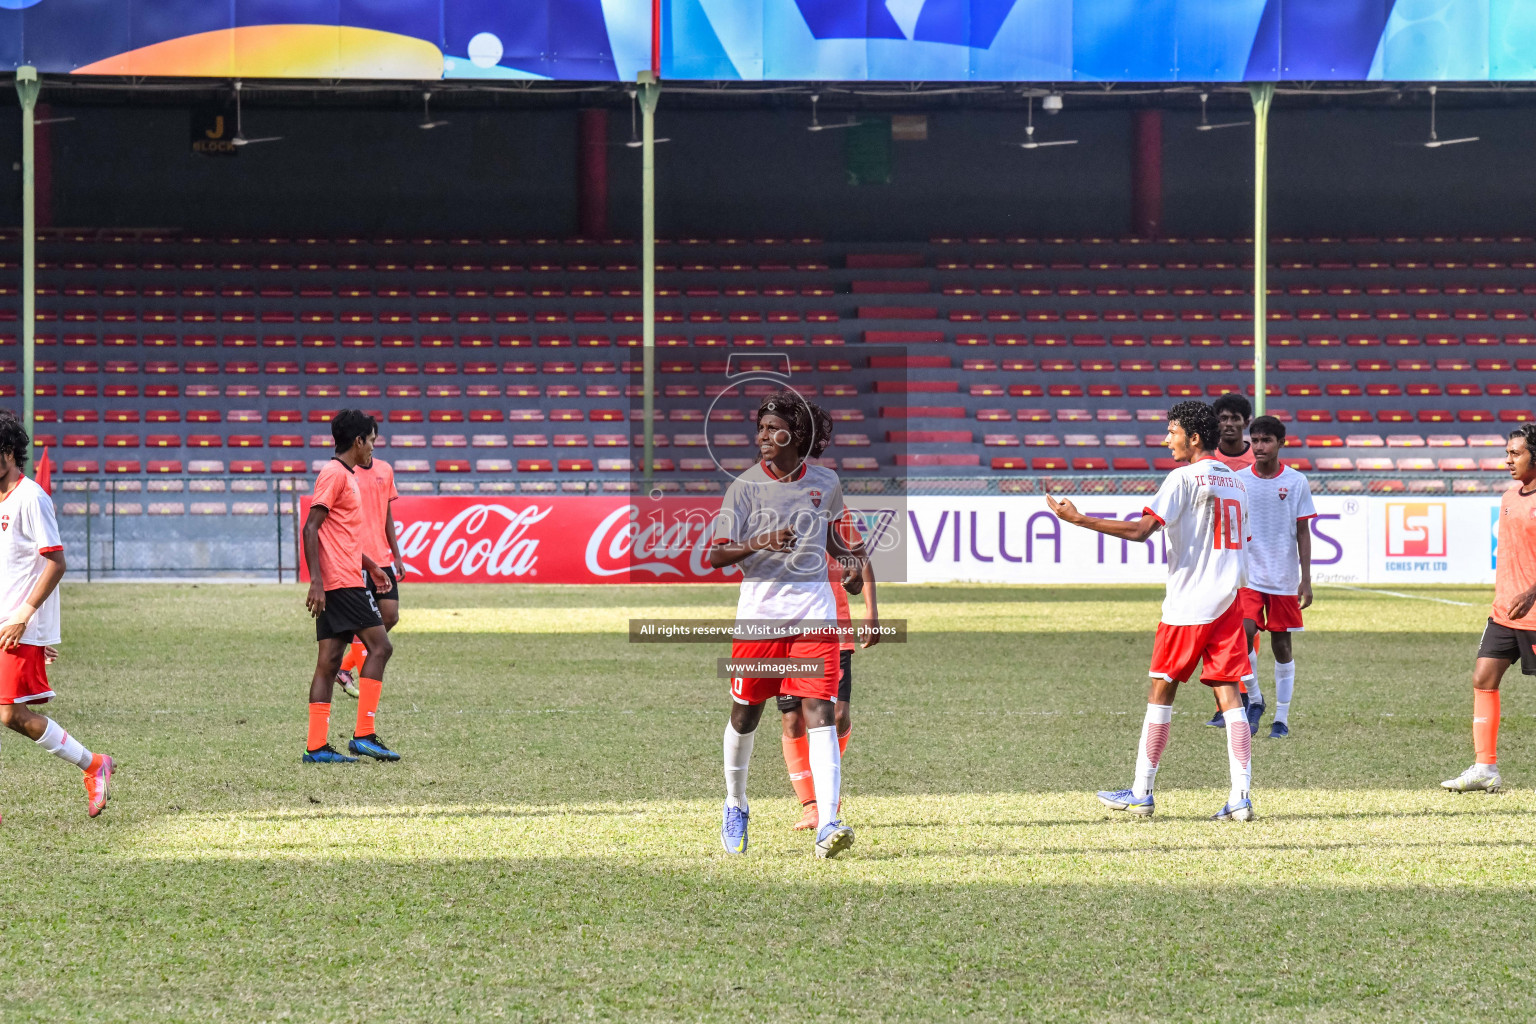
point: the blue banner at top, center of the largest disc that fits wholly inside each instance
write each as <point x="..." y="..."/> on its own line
<point x="754" y="40"/>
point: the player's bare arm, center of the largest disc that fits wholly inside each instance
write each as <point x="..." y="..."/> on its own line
<point x="376" y="574"/>
<point x="315" y="599"/>
<point x="1137" y="529"/>
<point x="394" y="542"/>
<point x="1304" y="553"/>
<point x="11" y="633"/>
<point x="852" y="558"/>
<point x="731" y="552"/>
<point x="869" y="633"/>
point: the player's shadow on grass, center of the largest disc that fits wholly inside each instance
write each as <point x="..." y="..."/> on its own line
<point x="407" y="812"/>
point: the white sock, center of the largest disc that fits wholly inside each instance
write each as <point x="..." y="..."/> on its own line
<point x="1238" y="754"/>
<point x="738" y="755"/>
<point x="61" y="744"/>
<point x="1285" y="684"/>
<point x="1255" y="695"/>
<point x="826" y="772"/>
<point x="1154" y="740"/>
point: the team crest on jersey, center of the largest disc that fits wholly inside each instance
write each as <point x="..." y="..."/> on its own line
<point x="815" y="496"/>
<point x="5" y="523"/>
<point x="1283" y="493"/>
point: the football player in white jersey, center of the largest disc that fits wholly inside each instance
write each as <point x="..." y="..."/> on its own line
<point x="1280" y="514"/>
<point x="31" y="566"/>
<point x="777" y="523"/>
<point x="1203" y="511"/>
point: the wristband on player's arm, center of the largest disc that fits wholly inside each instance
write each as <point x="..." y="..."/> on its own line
<point x="22" y="615"/>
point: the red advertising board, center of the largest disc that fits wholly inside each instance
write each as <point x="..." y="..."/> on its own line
<point x="557" y="539"/>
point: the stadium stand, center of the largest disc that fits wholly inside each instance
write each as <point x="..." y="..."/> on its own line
<point x="514" y="363"/>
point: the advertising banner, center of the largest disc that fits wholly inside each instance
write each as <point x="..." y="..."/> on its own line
<point x="924" y="539"/>
<point x="781" y="40"/>
<point x="579" y="539"/>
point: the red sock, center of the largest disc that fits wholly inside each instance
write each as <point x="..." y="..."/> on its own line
<point x="842" y="741"/>
<point x="319" y="725"/>
<point x="367" y="705"/>
<point x="1485" y="725"/>
<point x="797" y="758"/>
<point x="353" y="660"/>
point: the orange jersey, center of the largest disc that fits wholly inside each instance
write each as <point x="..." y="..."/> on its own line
<point x="342" y="541"/>
<point x="850" y="535"/>
<point x="1235" y="462"/>
<point x="1515" y="571"/>
<point x="377" y="483"/>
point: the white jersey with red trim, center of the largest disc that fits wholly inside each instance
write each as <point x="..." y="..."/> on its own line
<point x="28" y="530"/>
<point x="1275" y="505"/>
<point x="1204" y="512"/>
<point x="787" y="588"/>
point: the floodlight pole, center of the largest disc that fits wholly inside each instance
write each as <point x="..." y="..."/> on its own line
<point x="1263" y="95"/>
<point x="650" y="92"/>
<point x="27" y="88"/>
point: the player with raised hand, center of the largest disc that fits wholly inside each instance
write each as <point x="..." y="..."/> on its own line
<point x="1511" y="630"/>
<point x="376" y="484"/>
<point x="778" y="523"/>
<point x="336" y="551"/>
<point x="31" y="566"/>
<point x="1280" y="514"/>
<point x="1203" y="509"/>
<point x="797" y="755"/>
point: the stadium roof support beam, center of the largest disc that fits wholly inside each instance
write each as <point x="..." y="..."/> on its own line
<point x="27" y="88"/>
<point x="1263" y="95"/>
<point x="650" y="92"/>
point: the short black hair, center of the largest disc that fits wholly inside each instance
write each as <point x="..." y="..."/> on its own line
<point x="14" y="440"/>
<point x="1271" y="427"/>
<point x="1525" y="430"/>
<point x="809" y="424"/>
<point x="349" y="425"/>
<point x="1233" y="402"/>
<point x="1196" y="418"/>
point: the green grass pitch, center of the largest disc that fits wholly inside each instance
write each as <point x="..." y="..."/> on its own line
<point x="548" y="850"/>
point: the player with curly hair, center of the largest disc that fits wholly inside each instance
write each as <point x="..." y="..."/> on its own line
<point x="31" y="566"/>
<point x="1510" y="635"/>
<point x="778" y="523"/>
<point x="1202" y="507"/>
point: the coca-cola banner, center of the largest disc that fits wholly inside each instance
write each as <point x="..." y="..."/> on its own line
<point x="583" y="539"/>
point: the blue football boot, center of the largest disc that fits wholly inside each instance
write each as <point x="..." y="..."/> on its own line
<point x="1127" y="800"/>
<point x="833" y="839"/>
<point x="373" y="747"/>
<point x="326" y="755"/>
<point x="733" y="829"/>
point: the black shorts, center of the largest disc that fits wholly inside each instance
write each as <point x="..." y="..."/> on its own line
<point x="348" y="610"/>
<point x="789" y="702"/>
<point x="1509" y="645"/>
<point x="393" y="593"/>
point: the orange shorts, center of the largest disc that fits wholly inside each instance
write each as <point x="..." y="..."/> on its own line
<point x="1275" y="613"/>
<point x="1221" y="646"/>
<point x="757" y="689"/>
<point x="23" y="678"/>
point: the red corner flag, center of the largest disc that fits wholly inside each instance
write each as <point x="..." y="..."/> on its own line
<point x="44" y="473"/>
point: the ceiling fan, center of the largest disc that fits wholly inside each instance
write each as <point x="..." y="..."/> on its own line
<point x="426" y="113"/>
<point x="1435" y="141"/>
<point x="1030" y="142"/>
<point x="1206" y="126"/>
<point x="635" y="141"/>
<point x="817" y="126"/>
<point x="239" y="138"/>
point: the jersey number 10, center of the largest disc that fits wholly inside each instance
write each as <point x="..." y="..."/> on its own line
<point x="1229" y="524"/>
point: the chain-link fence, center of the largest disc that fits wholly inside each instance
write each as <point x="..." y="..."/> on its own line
<point x="249" y="527"/>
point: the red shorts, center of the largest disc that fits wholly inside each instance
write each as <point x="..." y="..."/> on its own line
<point x="1221" y="645"/>
<point x="23" y="679"/>
<point x="1275" y="613"/>
<point x="755" y="690"/>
